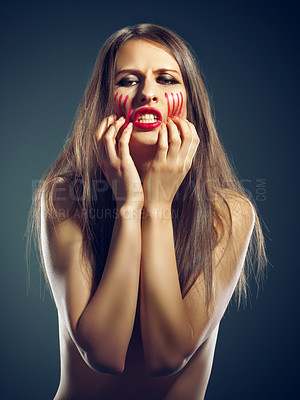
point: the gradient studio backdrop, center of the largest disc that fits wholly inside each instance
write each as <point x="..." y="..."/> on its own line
<point x="248" y="52"/>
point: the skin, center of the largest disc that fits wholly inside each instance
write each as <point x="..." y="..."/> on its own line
<point x="170" y="147"/>
<point x="138" y="303"/>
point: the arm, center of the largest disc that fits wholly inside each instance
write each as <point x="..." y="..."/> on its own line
<point x="101" y="325"/>
<point x="173" y="328"/>
<point x="166" y="328"/>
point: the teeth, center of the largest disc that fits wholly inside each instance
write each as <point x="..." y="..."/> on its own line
<point x="147" y="118"/>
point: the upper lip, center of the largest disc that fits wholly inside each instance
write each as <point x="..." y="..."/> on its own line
<point x="147" y="110"/>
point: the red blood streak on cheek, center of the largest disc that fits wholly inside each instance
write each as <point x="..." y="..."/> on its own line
<point x="129" y="112"/>
<point x="115" y="100"/>
<point x="120" y="104"/>
<point x="167" y="97"/>
<point x="117" y="104"/>
<point x="180" y="110"/>
<point x="173" y="109"/>
<point x="177" y="105"/>
<point x="124" y="105"/>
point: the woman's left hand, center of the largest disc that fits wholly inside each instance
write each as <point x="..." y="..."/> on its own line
<point x="177" y="145"/>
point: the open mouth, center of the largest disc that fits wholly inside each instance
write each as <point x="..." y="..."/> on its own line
<point x="147" y="118"/>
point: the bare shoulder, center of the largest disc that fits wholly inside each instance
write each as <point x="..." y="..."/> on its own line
<point x="60" y="200"/>
<point x="60" y="226"/>
<point x="228" y="258"/>
<point x="236" y="211"/>
<point x="69" y="273"/>
<point x="239" y="216"/>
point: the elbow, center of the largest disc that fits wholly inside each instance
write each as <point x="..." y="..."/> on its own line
<point x="165" y="367"/>
<point x="166" y="363"/>
<point x="99" y="353"/>
<point x="106" y="365"/>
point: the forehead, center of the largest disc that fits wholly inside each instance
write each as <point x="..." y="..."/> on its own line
<point x="142" y="54"/>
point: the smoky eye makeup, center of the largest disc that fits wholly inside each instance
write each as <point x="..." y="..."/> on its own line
<point x="127" y="81"/>
<point x="163" y="79"/>
<point x="167" y="79"/>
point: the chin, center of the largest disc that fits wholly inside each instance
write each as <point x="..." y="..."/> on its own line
<point x="144" y="137"/>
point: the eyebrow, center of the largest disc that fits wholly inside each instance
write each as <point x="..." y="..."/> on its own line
<point x="134" y="71"/>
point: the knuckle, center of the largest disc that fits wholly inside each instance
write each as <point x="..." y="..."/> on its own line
<point x="123" y="167"/>
<point x="119" y="123"/>
<point x="123" y="141"/>
<point x="176" y="141"/>
<point x="107" y="136"/>
<point x="187" y="134"/>
<point x="114" y="166"/>
<point x="98" y="134"/>
<point x="188" y="139"/>
<point x="163" y="147"/>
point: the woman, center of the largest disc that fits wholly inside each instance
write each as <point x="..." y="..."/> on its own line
<point x="143" y="227"/>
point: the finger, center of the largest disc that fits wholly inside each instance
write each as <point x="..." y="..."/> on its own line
<point x="174" y="140"/>
<point x="196" y="140"/>
<point x="123" y="144"/>
<point x="186" y="138"/>
<point x="104" y="125"/>
<point x="162" y="147"/>
<point x="109" y="139"/>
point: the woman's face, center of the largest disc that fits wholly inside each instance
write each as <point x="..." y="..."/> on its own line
<point x="148" y="88"/>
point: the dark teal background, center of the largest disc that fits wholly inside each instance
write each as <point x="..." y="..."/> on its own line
<point x="248" y="52"/>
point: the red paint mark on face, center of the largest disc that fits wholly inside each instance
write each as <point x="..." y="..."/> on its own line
<point x="117" y="104"/>
<point x="173" y="109"/>
<point x="177" y="104"/>
<point x="181" y="105"/>
<point x="115" y="98"/>
<point x="129" y="112"/>
<point x="120" y="107"/>
<point x="168" y="102"/>
<point x="124" y="104"/>
<point x="120" y="104"/>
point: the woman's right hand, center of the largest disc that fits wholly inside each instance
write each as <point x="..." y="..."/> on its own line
<point x="117" y="164"/>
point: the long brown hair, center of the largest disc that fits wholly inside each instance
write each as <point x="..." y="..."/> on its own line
<point x="194" y="208"/>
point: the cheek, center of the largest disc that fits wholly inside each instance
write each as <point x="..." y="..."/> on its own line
<point x="123" y="106"/>
<point x="175" y="104"/>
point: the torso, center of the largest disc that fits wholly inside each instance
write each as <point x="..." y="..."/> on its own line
<point x="79" y="382"/>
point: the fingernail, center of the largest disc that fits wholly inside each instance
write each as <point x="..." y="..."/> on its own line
<point x="122" y="119"/>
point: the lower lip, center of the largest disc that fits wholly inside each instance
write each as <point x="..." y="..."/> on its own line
<point x="147" y="126"/>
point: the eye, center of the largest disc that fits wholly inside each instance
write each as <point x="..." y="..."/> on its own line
<point x="167" y="80"/>
<point x="127" y="82"/>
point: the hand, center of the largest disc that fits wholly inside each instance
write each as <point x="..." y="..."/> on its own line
<point x="177" y="144"/>
<point x="116" y="163"/>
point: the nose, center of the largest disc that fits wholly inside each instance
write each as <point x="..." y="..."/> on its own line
<point x="148" y="92"/>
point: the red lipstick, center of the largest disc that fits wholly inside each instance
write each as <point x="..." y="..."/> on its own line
<point x="147" y="125"/>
